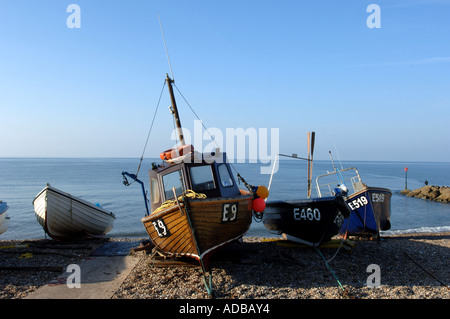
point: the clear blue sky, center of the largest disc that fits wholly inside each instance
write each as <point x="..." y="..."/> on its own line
<point x="374" y="93"/>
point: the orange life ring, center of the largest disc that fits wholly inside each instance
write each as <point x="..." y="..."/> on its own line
<point x="179" y="151"/>
<point x="244" y="192"/>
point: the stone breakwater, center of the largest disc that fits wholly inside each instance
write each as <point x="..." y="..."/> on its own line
<point x="431" y="192"/>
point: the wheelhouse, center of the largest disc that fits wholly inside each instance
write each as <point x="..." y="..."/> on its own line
<point x="212" y="178"/>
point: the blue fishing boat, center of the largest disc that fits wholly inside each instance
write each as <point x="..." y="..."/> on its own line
<point x="370" y="206"/>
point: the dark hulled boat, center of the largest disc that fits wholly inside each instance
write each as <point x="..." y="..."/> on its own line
<point x="309" y="221"/>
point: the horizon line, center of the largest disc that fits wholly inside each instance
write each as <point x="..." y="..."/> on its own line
<point x="239" y="159"/>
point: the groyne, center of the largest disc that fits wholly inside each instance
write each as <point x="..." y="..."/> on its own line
<point x="430" y="192"/>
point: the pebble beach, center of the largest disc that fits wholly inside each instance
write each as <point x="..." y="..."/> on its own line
<point x="410" y="266"/>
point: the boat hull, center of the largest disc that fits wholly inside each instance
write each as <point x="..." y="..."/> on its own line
<point x="199" y="227"/>
<point x="370" y="211"/>
<point x="4" y="219"/>
<point x="308" y="221"/>
<point x="64" y="216"/>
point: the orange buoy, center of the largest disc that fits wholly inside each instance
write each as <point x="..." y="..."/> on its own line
<point x="175" y="152"/>
<point x="262" y="192"/>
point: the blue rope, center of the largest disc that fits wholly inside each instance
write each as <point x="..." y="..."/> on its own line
<point x="331" y="270"/>
<point x="209" y="287"/>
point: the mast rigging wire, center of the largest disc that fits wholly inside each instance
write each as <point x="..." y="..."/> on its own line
<point x="198" y="118"/>
<point x="150" y="130"/>
<point x="240" y="178"/>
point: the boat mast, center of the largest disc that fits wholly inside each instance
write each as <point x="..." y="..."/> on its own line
<point x="175" y="110"/>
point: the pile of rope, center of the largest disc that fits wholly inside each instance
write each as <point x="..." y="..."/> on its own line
<point x="172" y="202"/>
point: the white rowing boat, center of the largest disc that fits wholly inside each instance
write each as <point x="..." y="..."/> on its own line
<point x="64" y="216"/>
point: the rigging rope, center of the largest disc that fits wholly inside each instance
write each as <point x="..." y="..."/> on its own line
<point x="198" y="118"/>
<point x="151" y="126"/>
<point x="240" y="178"/>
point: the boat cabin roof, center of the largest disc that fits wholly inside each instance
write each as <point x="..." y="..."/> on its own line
<point x="209" y="174"/>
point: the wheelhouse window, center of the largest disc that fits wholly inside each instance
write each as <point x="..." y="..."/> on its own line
<point x="171" y="180"/>
<point x="225" y="177"/>
<point x="202" y="178"/>
<point x="155" y="191"/>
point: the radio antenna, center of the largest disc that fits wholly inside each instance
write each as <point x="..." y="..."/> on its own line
<point x="165" y="46"/>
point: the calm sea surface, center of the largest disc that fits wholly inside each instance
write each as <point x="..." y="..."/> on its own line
<point x="99" y="180"/>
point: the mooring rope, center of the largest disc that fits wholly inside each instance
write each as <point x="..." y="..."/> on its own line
<point x="330" y="269"/>
<point x="342" y="240"/>
<point x="428" y="272"/>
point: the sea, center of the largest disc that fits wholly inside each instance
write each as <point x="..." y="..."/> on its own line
<point x="100" y="181"/>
